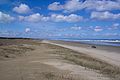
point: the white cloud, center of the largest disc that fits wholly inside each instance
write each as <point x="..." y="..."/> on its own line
<point x="45" y="18"/>
<point x="27" y="30"/>
<point x="54" y="17"/>
<point x="116" y="24"/>
<point x="102" y="5"/>
<point x="69" y="18"/>
<point x="21" y="18"/>
<point x="74" y="5"/>
<point x="98" y="29"/>
<point x="22" y="9"/>
<point x="55" y="6"/>
<point x="76" y="28"/>
<point x="34" y="18"/>
<point x="104" y="15"/>
<point x="72" y="35"/>
<point x="70" y="5"/>
<point x="5" y="18"/>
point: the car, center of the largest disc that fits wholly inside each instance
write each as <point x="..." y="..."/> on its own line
<point x="93" y="46"/>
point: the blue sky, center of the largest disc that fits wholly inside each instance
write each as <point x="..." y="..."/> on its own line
<point x="83" y="19"/>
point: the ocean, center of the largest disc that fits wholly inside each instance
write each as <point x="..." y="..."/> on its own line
<point x="106" y="42"/>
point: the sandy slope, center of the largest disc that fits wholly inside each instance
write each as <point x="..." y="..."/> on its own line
<point x="109" y="57"/>
<point x="41" y="65"/>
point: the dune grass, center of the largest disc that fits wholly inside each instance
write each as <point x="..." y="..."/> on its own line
<point x="11" y="48"/>
<point x="57" y="76"/>
<point x="87" y="61"/>
<point x="13" y="51"/>
<point x="6" y="42"/>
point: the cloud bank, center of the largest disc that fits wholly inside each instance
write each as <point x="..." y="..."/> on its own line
<point x="53" y="17"/>
<point x="104" y="15"/>
<point x="75" y="5"/>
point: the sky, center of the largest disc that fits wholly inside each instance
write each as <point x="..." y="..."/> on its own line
<point x="75" y="19"/>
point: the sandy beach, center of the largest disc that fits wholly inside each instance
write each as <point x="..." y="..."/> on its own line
<point x="110" y="54"/>
<point x="22" y="59"/>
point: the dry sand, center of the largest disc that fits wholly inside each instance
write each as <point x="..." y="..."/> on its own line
<point x="40" y="64"/>
<point x="112" y="57"/>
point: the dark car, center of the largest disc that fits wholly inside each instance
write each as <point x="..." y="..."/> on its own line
<point x="93" y="46"/>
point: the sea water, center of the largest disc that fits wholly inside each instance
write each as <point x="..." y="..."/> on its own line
<point x="107" y="42"/>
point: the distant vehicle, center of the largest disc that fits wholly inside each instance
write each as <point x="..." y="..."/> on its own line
<point x="93" y="46"/>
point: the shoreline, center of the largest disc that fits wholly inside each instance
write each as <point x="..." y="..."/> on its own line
<point x="108" y="54"/>
<point x="109" y="48"/>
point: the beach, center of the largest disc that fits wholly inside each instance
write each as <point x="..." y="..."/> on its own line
<point x="22" y="59"/>
<point x="109" y="54"/>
